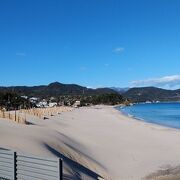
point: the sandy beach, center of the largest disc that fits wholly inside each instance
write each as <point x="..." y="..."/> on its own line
<point x="98" y="141"/>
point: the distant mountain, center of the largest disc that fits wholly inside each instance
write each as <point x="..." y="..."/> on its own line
<point x="55" y="89"/>
<point x="120" y="90"/>
<point x="143" y="94"/>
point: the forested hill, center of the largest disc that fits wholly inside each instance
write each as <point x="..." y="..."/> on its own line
<point x="55" y="89"/>
<point x="143" y="94"/>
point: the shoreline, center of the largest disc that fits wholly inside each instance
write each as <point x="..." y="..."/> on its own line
<point x="144" y="120"/>
<point x="101" y="139"/>
<point x="150" y="124"/>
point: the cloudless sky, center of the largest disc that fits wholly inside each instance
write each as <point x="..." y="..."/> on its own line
<point x="88" y="42"/>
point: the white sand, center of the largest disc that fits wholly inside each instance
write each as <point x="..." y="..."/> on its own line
<point x="100" y="138"/>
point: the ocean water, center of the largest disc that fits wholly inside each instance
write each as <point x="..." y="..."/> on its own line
<point x="166" y="114"/>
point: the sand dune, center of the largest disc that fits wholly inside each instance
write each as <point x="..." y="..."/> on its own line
<point x="96" y="142"/>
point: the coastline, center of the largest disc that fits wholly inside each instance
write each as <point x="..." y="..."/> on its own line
<point x="102" y="139"/>
<point x="146" y="122"/>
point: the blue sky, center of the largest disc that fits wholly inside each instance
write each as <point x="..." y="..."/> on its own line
<point x="93" y="43"/>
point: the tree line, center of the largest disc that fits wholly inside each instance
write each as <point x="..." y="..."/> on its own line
<point x="12" y="101"/>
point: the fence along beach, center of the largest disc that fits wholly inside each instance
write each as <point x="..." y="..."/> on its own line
<point x="45" y="112"/>
<point x="14" y="116"/>
<point x="19" y="116"/>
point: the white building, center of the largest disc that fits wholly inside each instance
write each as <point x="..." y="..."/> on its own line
<point x="52" y="104"/>
<point x="33" y="99"/>
<point x="77" y="104"/>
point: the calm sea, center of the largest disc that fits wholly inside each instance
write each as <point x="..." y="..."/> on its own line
<point x="166" y="114"/>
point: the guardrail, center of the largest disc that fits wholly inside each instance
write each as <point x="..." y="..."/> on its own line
<point x="16" y="166"/>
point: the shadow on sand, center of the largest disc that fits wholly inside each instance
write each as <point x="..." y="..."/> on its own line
<point x="77" y="168"/>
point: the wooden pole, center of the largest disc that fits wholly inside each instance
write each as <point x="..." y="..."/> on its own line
<point x="15" y="114"/>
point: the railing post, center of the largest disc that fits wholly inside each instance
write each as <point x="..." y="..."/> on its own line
<point x="60" y="169"/>
<point x="14" y="166"/>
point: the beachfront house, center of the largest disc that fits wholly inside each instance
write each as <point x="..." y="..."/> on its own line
<point x="52" y="104"/>
<point x="77" y="104"/>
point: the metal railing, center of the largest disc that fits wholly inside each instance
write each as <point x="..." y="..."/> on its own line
<point x="16" y="166"/>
